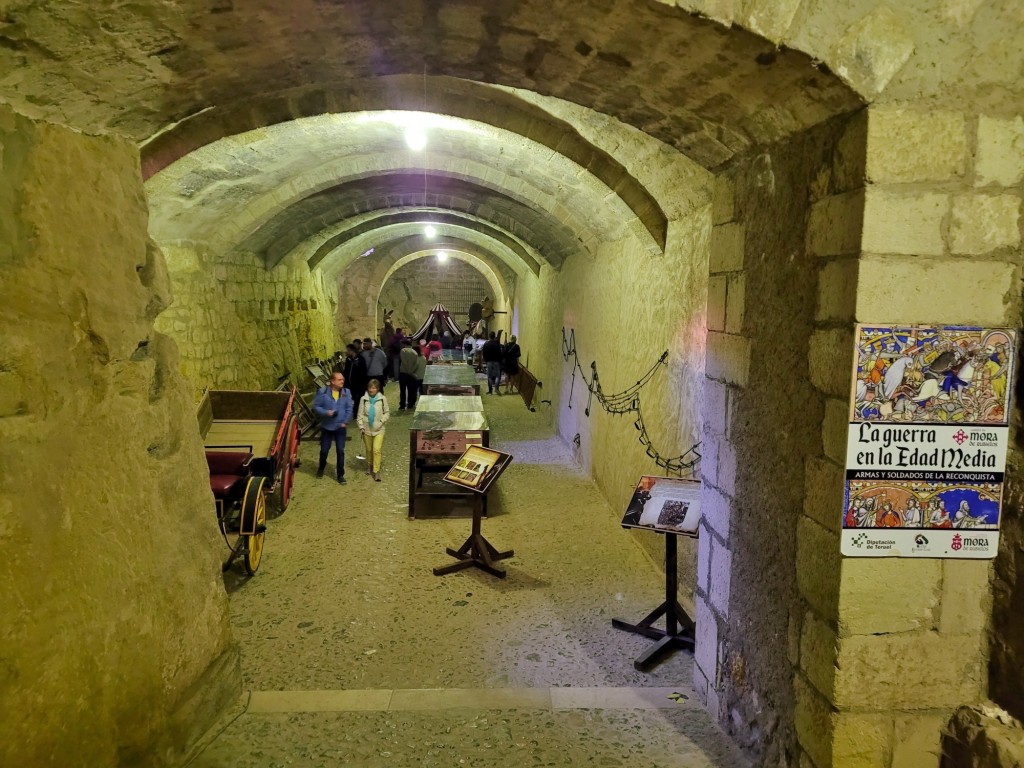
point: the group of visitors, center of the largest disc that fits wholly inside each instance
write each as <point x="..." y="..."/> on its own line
<point x="366" y="369"/>
<point x="501" y="360"/>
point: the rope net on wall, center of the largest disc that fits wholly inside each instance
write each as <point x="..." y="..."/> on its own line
<point x="627" y="401"/>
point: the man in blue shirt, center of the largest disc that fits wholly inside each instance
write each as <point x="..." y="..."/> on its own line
<point x="333" y="404"/>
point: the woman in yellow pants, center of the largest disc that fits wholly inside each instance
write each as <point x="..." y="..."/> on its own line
<point x="372" y="414"/>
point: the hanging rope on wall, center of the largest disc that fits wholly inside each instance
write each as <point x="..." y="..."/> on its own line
<point x="626" y="401"/>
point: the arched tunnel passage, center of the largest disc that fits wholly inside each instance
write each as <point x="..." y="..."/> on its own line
<point x="742" y="160"/>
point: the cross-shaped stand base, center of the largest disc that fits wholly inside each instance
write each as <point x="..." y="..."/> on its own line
<point x="679" y="627"/>
<point x="476" y="551"/>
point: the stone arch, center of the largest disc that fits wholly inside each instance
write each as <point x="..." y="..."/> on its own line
<point x="499" y="292"/>
<point x="441" y="95"/>
<point x="361" y="281"/>
<point x="517" y="255"/>
<point x="495" y="176"/>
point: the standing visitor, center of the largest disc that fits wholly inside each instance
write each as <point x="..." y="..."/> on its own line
<point x="419" y="373"/>
<point x="355" y="372"/>
<point x="510" y="363"/>
<point x="492" y="360"/>
<point x="394" y="351"/>
<point x="373" y="415"/>
<point x="333" y="404"/>
<point x="407" y="363"/>
<point x="376" y="362"/>
<point x="467" y="347"/>
<point x="435" y="347"/>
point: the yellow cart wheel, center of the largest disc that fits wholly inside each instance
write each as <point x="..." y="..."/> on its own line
<point x="254" y="523"/>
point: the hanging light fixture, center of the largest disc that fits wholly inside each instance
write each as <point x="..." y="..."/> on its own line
<point x="430" y="231"/>
<point x="442" y="256"/>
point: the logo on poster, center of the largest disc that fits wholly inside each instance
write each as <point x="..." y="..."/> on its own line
<point x="969" y="543"/>
<point x="920" y="543"/>
<point x="960" y="437"/>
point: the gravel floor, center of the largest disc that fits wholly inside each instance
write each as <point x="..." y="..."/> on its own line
<point x="345" y="599"/>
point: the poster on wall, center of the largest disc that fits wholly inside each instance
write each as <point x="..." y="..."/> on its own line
<point x="665" y="504"/>
<point x="927" y="440"/>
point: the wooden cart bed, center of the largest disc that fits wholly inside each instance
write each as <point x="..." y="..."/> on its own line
<point x="255" y="436"/>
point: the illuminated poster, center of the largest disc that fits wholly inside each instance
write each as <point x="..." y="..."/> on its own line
<point x="926" y="447"/>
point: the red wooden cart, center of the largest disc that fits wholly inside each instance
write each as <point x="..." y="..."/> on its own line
<point x="252" y="450"/>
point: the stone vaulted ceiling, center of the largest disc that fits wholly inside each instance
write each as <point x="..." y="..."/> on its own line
<point x="183" y="78"/>
<point x="177" y="76"/>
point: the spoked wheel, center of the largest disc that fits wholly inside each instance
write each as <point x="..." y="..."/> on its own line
<point x="253" y="524"/>
<point x="289" y="461"/>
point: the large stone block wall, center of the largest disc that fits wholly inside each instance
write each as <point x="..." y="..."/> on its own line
<point x="115" y="647"/>
<point x="761" y="428"/>
<point x="414" y="289"/>
<point x="239" y="325"/>
<point x="883" y="669"/>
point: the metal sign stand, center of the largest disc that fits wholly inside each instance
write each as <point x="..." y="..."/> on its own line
<point x="679" y="627"/>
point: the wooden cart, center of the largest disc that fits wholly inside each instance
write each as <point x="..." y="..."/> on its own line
<point x="252" y="451"/>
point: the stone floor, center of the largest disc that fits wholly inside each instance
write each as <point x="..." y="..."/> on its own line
<point x="354" y="653"/>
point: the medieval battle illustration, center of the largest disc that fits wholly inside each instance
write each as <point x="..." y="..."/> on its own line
<point x="944" y="375"/>
<point x="894" y="504"/>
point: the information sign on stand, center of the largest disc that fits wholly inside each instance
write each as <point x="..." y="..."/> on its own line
<point x="927" y="441"/>
<point x="477" y="469"/>
<point x="669" y="506"/>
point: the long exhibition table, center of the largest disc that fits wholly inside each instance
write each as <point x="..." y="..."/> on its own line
<point x="450" y="380"/>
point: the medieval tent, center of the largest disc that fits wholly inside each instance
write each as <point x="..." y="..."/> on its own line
<point x="438" y="321"/>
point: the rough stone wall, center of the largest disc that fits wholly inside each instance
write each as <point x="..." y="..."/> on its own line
<point x="983" y="737"/>
<point x="114" y="645"/>
<point x="761" y="427"/>
<point x="239" y="325"/>
<point x="414" y="289"/>
<point x="998" y="155"/>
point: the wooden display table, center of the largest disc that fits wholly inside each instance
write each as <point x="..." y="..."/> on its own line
<point x="450" y="380"/>
<point x="436" y="441"/>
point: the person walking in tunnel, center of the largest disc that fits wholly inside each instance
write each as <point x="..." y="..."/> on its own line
<point x="407" y="360"/>
<point x="510" y="363"/>
<point x="394" y="351"/>
<point x="492" y="359"/>
<point x="376" y="362"/>
<point x="419" y="373"/>
<point x="333" y="404"/>
<point x="355" y="372"/>
<point x="373" y="414"/>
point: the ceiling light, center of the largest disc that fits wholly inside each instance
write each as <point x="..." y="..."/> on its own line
<point x="429" y="230"/>
<point x="415" y="138"/>
<point x="442" y="256"/>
